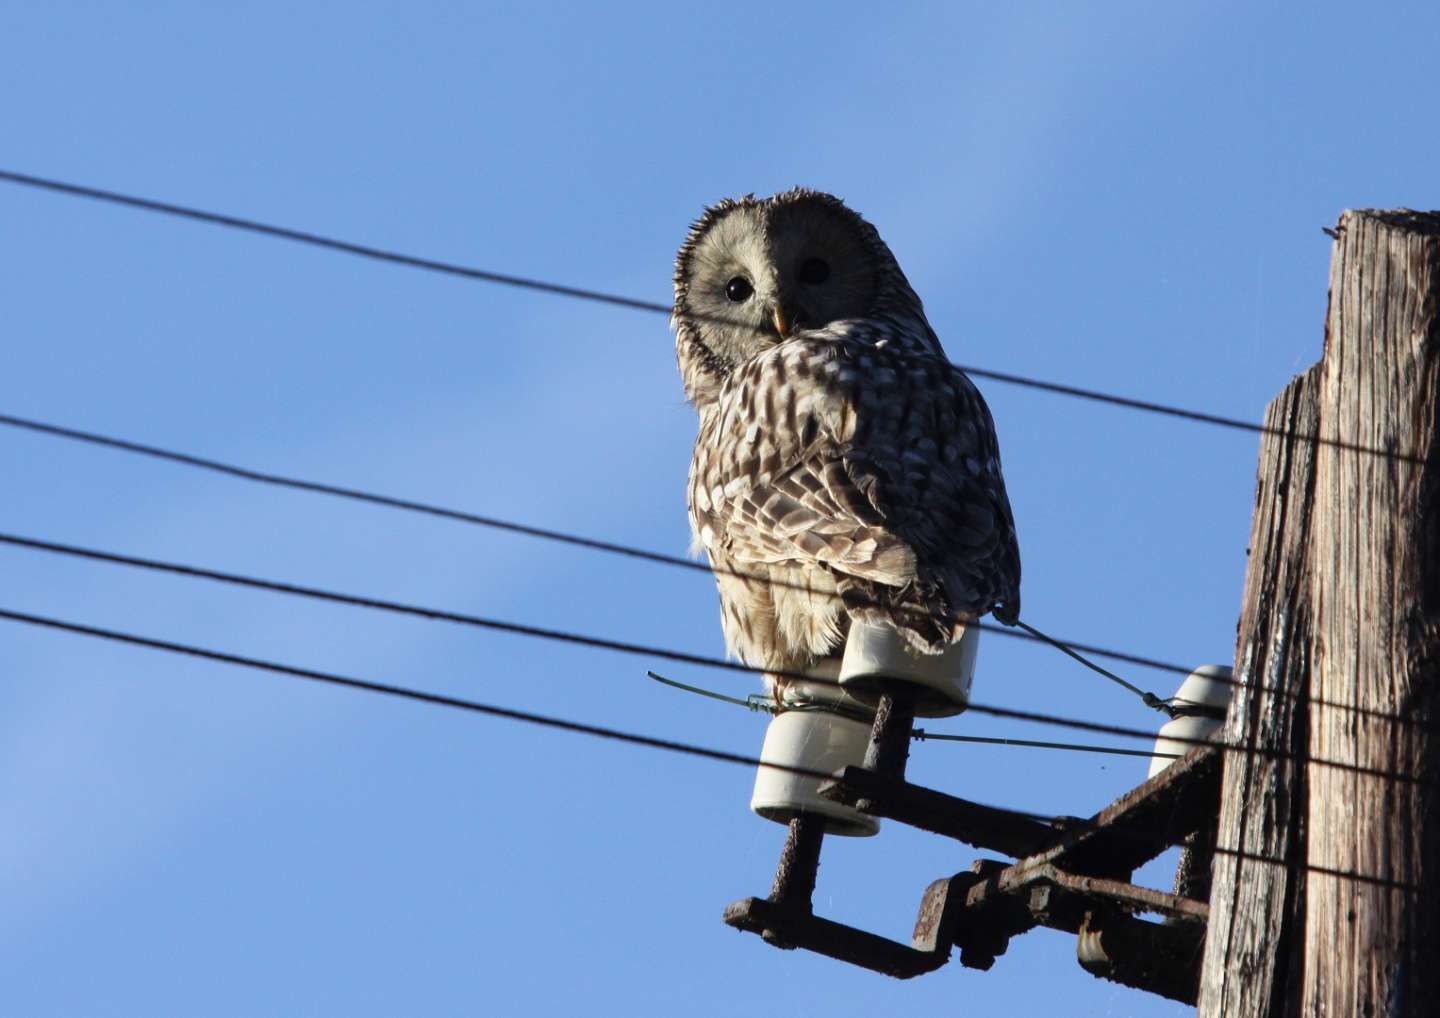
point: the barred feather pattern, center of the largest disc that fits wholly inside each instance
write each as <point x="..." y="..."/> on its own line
<point x="844" y="471"/>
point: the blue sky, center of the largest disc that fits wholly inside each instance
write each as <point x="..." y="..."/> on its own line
<point x="1123" y="196"/>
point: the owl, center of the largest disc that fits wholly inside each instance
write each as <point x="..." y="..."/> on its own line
<point x="844" y="469"/>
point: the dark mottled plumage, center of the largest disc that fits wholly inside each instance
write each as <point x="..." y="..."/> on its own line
<point x="842" y="464"/>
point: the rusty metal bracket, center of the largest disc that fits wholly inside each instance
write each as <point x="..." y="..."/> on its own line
<point x="834" y="940"/>
<point x="1142" y="823"/>
<point x="1080" y="884"/>
<point x="916" y="806"/>
<point x="1162" y="959"/>
<point x="1071" y="875"/>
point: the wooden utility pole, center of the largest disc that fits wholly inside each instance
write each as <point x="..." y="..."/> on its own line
<point x="1326" y="893"/>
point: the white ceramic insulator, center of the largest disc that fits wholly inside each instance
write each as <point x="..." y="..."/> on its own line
<point x="813" y="740"/>
<point x="877" y="657"/>
<point x="1206" y="686"/>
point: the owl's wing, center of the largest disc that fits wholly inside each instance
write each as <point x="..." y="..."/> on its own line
<point x="882" y="467"/>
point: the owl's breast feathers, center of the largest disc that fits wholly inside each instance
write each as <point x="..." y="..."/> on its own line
<point x="875" y="464"/>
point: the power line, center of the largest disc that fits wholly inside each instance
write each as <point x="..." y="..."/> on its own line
<point x="339" y="491"/>
<point x="510" y="526"/>
<point x="331" y="243"/>
<point x="921" y="735"/>
<point x="438" y="699"/>
<point x="563" y="724"/>
<point x="379" y="604"/>
<point x="305" y="237"/>
<point x="633" y="303"/>
<point x="625" y="647"/>
<point x="76" y="551"/>
<point x="582" y="293"/>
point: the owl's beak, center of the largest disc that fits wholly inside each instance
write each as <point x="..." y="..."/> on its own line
<point x="782" y="328"/>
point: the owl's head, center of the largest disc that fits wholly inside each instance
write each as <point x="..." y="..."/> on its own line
<point x="755" y="272"/>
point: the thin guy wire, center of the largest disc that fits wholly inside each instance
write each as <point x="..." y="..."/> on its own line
<point x="1149" y="699"/>
<point x="751" y="705"/>
<point x="756" y="704"/>
<point x="410" y="505"/>
<point x="920" y="734"/>
<point x="538" y="632"/>
<point x="563" y="724"/>
<point x="583" y="293"/>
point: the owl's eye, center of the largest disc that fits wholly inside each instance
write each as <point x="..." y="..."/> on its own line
<point x="814" y="270"/>
<point x="738" y="290"/>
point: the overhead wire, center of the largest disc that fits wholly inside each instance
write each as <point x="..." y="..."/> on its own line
<point x="576" y="727"/>
<point x="507" y="279"/>
<point x="77" y="551"/>
<point x="386" y="689"/>
<point x="616" y="300"/>
<point x="368" y="251"/>
<point x="632" y="303"/>
<point x="340" y="491"/>
<point x="309" y="238"/>
<point x="620" y="646"/>
<point x="921" y="735"/>
<point x="461" y="516"/>
<point x="331" y="243"/>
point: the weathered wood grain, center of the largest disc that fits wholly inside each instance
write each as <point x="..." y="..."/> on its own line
<point x="1342" y="610"/>
<point x="1375" y="588"/>
<point x="1248" y="959"/>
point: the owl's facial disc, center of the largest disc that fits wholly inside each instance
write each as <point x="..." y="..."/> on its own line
<point x="823" y="262"/>
<point x="731" y="287"/>
<point x="763" y="271"/>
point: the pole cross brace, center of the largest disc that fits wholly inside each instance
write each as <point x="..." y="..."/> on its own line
<point x="980" y="911"/>
<point x="1079" y="883"/>
<point x="791" y="928"/>
<point x="1070" y="874"/>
